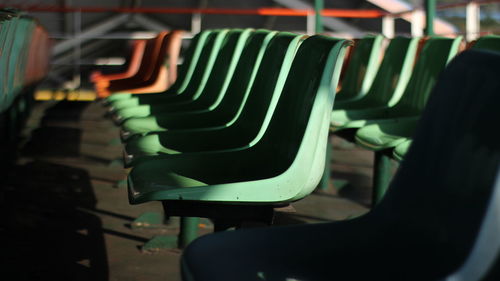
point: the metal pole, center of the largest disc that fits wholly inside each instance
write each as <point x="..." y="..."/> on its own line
<point x="430" y="14"/>
<point x="381" y="176"/>
<point x="472" y="21"/>
<point x="388" y="29"/>
<point x="188" y="231"/>
<point x="311" y="18"/>
<point x="417" y="17"/>
<point x="318" y="7"/>
<point x="78" y="51"/>
<point x="195" y="23"/>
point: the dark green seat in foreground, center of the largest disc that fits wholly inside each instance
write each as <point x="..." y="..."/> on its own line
<point x="284" y="166"/>
<point x="246" y="130"/>
<point x="361" y="68"/>
<point x="425" y="226"/>
<point x="185" y="72"/>
<point x="195" y="86"/>
<point x="230" y="106"/>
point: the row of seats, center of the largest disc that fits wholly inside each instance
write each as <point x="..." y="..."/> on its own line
<point x="437" y="221"/>
<point x="259" y="97"/>
<point x="383" y="118"/>
<point x="24" y="55"/>
<point x="244" y="129"/>
<point x="152" y="67"/>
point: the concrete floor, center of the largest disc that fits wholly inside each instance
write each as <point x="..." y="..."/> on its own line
<point x="66" y="214"/>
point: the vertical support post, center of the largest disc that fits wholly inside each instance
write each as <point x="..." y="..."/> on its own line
<point x="381" y="176"/>
<point x="472" y="21"/>
<point x="325" y="180"/>
<point x="188" y="231"/>
<point x="430" y="15"/>
<point x="68" y="19"/>
<point x="417" y="23"/>
<point x="318" y="7"/>
<point x="311" y="18"/>
<point x="78" y="50"/>
<point x="195" y="23"/>
<point x="388" y="29"/>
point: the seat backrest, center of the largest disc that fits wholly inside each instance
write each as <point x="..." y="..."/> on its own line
<point x="394" y="72"/>
<point x="483" y="263"/>
<point x="488" y="42"/>
<point x="9" y="57"/>
<point x="362" y="66"/>
<point x="266" y="88"/>
<point x="224" y="66"/>
<point x="160" y="58"/>
<point x="35" y="54"/>
<point x="441" y="190"/>
<point x="173" y="51"/>
<point x="205" y="63"/>
<point x="190" y="59"/>
<point x="151" y="52"/>
<point x="4" y="53"/>
<point x="23" y="36"/>
<point x="294" y="144"/>
<point x="136" y="55"/>
<point x="156" y="56"/>
<point x="435" y="54"/>
<point x="244" y="74"/>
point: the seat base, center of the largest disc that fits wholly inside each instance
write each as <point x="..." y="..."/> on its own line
<point x="224" y="215"/>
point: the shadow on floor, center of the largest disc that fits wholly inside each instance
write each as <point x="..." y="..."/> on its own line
<point x="53" y="141"/>
<point x="47" y="234"/>
<point x="68" y="110"/>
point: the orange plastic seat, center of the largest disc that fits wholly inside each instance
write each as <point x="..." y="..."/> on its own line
<point x="157" y="72"/>
<point x="151" y="53"/>
<point x="133" y="66"/>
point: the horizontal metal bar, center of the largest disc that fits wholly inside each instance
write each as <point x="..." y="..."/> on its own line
<point x="341" y="13"/>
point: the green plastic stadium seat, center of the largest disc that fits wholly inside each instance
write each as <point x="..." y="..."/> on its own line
<point x="361" y="68"/>
<point x="230" y="107"/>
<point x="386" y="90"/>
<point x="400" y="151"/>
<point x="218" y="81"/>
<point x="210" y="58"/>
<point x="426" y="225"/>
<point x="228" y="56"/>
<point x="388" y="86"/>
<point x="392" y="133"/>
<point x="433" y="58"/>
<point x="247" y="129"/>
<point x="488" y="42"/>
<point x="191" y="56"/>
<point x="387" y="134"/>
<point x="284" y="166"/>
<point x="401" y="140"/>
<point x="19" y="73"/>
